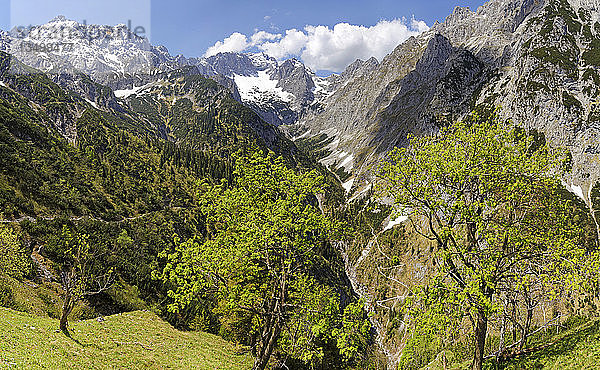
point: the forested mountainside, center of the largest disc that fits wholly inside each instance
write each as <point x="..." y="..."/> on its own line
<point x="152" y="160"/>
<point x="123" y="175"/>
<point x="65" y="152"/>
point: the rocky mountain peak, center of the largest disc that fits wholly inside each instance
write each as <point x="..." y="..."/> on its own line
<point x="58" y="18"/>
<point x="66" y="46"/>
<point x="294" y="78"/>
<point x="359" y="67"/>
<point x="460" y="13"/>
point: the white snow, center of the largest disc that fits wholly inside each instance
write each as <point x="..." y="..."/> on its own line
<point x="127" y="92"/>
<point x="262" y="60"/>
<point x="348" y="163"/>
<point x="348" y="185"/>
<point x="251" y="87"/>
<point x="3" y="84"/>
<point x="367" y="188"/>
<point x="301" y="136"/>
<point x="575" y="189"/>
<point x="397" y="221"/>
<point x="92" y="103"/>
<point x="333" y="144"/>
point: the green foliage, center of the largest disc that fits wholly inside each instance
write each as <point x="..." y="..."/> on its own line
<point x="14" y="260"/>
<point x="258" y="259"/>
<point x="419" y="351"/>
<point x="489" y="196"/>
<point x="555" y="56"/>
<point x="352" y="337"/>
<point x="315" y="145"/>
<point x="6" y="296"/>
<point x="575" y="346"/>
<point x="591" y="55"/>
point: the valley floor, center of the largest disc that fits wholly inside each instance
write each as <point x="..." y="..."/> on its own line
<point x="134" y="340"/>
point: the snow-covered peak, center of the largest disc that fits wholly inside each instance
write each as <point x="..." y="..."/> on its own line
<point x="59" y="19"/>
<point x="263" y="61"/>
<point x="280" y="91"/>
<point x="66" y="46"/>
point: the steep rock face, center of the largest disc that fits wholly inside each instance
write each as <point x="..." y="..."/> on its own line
<point x="551" y="83"/>
<point x="545" y="57"/>
<point x="295" y="79"/>
<point x="95" y="93"/>
<point x="439" y="88"/>
<point x="230" y="64"/>
<point x="538" y="60"/>
<point x="348" y="115"/>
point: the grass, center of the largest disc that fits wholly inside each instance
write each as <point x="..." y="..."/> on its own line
<point x="577" y="348"/>
<point x="133" y="340"/>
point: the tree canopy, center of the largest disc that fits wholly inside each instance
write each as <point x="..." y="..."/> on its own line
<point x="489" y="196"/>
<point x="259" y="258"/>
<point x="14" y="261"/>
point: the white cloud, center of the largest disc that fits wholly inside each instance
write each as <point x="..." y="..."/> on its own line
<point x="334" y="49"/>
<point x="262" y="36"/>
<point x="324" y="48"/>
<point x="235" y="43"/>
<point x="289" y="45"/>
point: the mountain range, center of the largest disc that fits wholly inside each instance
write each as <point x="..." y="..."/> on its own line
<point x="536" y="61"/>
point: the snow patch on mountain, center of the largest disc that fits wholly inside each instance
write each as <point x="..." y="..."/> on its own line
<point x="254" y="88"/>
<point x="348" y="163"/>
<point x="575" y="189"/>
<point x="127" y="92"/>
<point x="397" y="221"/>
<point x="348" y="185"/>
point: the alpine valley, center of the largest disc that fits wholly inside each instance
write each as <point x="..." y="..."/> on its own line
<point x="103" y="131"/>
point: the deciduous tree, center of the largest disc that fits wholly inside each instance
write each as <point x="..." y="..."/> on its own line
<point x="489" y="196"/>
<point x="80" y="275"/>
<point x="14" y="261"/>
<point x="264" y="240"/>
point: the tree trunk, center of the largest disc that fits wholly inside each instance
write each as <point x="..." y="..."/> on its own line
<point x="66" y="310"/>
<point x="480" y="335"/>
<point x="526" y="328"/>
<point x="262" y="360"/>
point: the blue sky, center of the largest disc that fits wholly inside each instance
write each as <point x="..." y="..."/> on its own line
<point x="191" y="27"/>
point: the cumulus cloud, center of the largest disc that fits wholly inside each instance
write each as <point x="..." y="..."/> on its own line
<point x="260" y="37"/>
<point x="234" y="43"/>
<point x="334" y="49"/>
<point x="238" y="42"/>
<point x="324" y="48"/>
<point x="289" y="45"/>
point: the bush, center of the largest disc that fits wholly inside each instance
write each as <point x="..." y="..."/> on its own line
<point x="6" y="296"/>
<point x="14" y="260"/>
